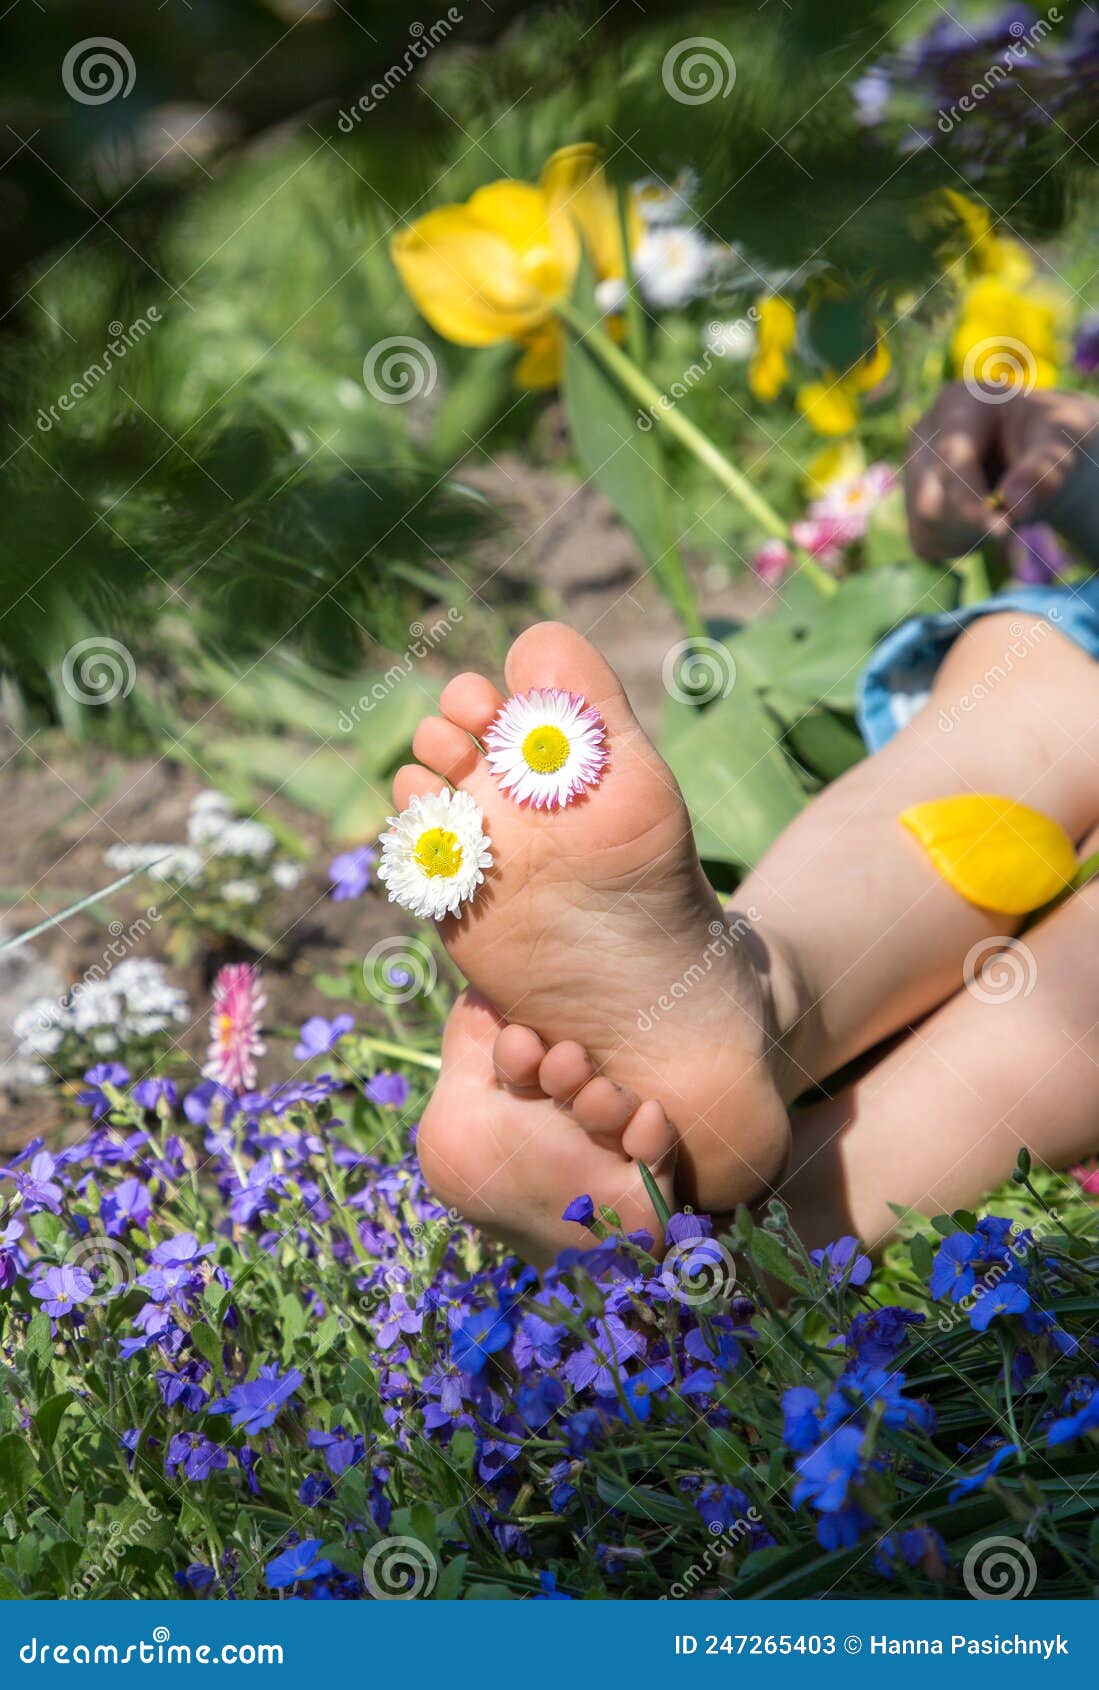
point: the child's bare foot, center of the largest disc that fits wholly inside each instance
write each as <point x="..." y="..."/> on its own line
<point x="596" y="925"/>
<point x="511" y="1160"/>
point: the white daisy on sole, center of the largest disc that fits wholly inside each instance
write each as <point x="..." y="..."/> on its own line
<point x="435" y="854"/>
<point x="546" y="747"/>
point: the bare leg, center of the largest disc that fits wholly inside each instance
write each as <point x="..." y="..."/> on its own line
<point x="940" y="1120"/>
<point x="876" y="937"/>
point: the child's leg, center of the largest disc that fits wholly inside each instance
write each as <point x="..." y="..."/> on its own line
<point x="877" y="936"/>
<point x="940" y="1120"/>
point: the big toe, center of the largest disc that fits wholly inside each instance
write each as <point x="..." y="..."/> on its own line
<point x="553" y="655"/>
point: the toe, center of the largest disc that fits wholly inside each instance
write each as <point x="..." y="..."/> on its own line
<point x="603" y="1108"/>
<point x="567" y="1067"/>
<point x="412" y="781"/>
<point x="518" y="1056"/>
<point x="553" y="655"/>
<point x="470" y="702"/>
<point x="650" y="1137"/>
<point x="446" y="749"/>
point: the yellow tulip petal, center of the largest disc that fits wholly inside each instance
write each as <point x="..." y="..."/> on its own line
<point x="580" y="197"/>
<point x="473" y="287"/>
<point x="829" y="407"/>
<point x="776" y="323"/>
<point x="767" y="375"/>
<point x="872" y="370"/>
<point x="540" y="365"/>
<point x="998" y="854"/>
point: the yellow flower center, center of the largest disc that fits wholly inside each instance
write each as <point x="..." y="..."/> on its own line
<point x="438" y="852"/>
<point x="545" y="750"/>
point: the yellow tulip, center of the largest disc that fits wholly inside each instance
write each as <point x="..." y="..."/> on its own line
<point x="831" y="406"/>
<point x="493" y="269"/>
<point x="776" y="328"/>
<point x="841" y="462"/>
<point x="1000" y="855"/>
<point x="983" y="253"/>
<point x="1006" y="338"/>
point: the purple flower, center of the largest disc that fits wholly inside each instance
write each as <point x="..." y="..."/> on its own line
<point x="800" y="1418"/>
<point x="62" y="1289"/>
<point x="179" y="1250"/>
<point x="255" y="1404"/>
<point x="1086" y="355"/>
<point x="301" y="1562"/>
<point x="147" y="1094"/>
<point x="350" y="872"/>
<point x="1036" y="555"/>
<point x="841" y="1256"/>
<point x="9" y="1253"/>
<point x="317" y="1035"/>
<point x="37" y="1187"/>
<point x="198" y="1104"/>
<point x="875" y="1336"/>
<point x="195" y="1456"/>
<point x="1005" y="1298"/>
<point x="197" y="1576"/>
<point x="103" y="1074"/>
<point x="1075" y="1425"/>
<point x="539" y="1402"/>
<point x="127" y="1204"/>
<point x="581" y="1210"/>
<point x="477" y="1337"/>
<point x="919" y="1546"/>
<point x="342" y="1449"/>
<point x="389" y="1091"/>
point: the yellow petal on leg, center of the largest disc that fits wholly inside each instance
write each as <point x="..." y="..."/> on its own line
<point x="997" y="854"/>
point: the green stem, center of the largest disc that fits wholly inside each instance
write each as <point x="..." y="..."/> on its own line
<point x="635" y="316"/>
<point x="404" y="1053"/>
<point x="664" y="411"/>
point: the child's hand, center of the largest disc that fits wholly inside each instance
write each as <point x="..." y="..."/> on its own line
<point x="980" y="466"/>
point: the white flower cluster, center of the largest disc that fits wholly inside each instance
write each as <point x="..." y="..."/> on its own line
<point x="674" y="260"/>
<point x="131" y="1006"/>
<point x="217" y="839"/>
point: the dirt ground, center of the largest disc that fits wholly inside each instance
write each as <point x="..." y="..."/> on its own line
<point x="564" y="554"/>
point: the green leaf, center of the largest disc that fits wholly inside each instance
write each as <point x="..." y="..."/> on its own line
<point x="18" y="1470"/>
<point x="47" y="1417"/>
<point x="449" y="1585"/>
<point x="642" y="1502"/>
<point x="208" y="1344"/>
<point x="489" y="1593"/>
<point x="38" y="1343"/>
<point x="768" y="1253"/>
<point x="923" y="1257"/>
<point x="826" y="742"/>
<point x="328" y="1332"/>
<point x="9" y="1590"/>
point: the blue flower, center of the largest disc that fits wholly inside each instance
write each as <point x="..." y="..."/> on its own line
<point x="976" y="1481"/>
<point x="197" y="1576"/>
<point x="350" y="872"/>
<point x="875" y="1336"/>
<point x="148" y="1093"/>
<point x="316" y="1036"/>
<point x="549" y="1591"/>
<point x="919" y="1546"/>
<point x="300" y="1562"/>
<point x="800" y="1418"/>
<point x="540" y="1401"/>
<point x="827" y="1470"/>
<point x="841" y="1256"/>
<point x="62" y="1289"/>
<point x="477" y="1337"/>
<point x="639" y="1390"/>
<point x="103" y="1074"/>
<point x="1075" y="1425"/>
<point x="581" y="1210"/>
<point x="127" y="1204"/>
<point x="255" y="1404"/>
<point x="196" y="1455"/>
<point x="1005" y="1298"/>
<point x="953" y="1270"/>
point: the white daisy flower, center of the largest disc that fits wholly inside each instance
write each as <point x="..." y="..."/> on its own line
<point x="435" y="854"/>
<point x="671" y="265"/>
<point x="545" y="747"/>
<point x="658" y="201"/>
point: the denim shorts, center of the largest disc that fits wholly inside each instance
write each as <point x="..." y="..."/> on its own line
<point x="897" y="680"/>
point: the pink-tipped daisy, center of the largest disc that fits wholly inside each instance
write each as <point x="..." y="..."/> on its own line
<point x="234" y="1027"/>
<point x="546" y="747"/>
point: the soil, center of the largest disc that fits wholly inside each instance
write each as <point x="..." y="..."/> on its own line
<point x="564" y="554"/>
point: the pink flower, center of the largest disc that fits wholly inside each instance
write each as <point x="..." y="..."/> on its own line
<point x="848" y="502"/>
<point x="772" y="561"/>
<point x="235" y="1027"/>
<point x="1088" y="1178"/>
<point x="823" y="537"/>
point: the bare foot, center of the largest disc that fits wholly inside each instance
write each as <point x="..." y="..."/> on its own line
<point x="512" y="1159"/>
<point x="596" y="925"/>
